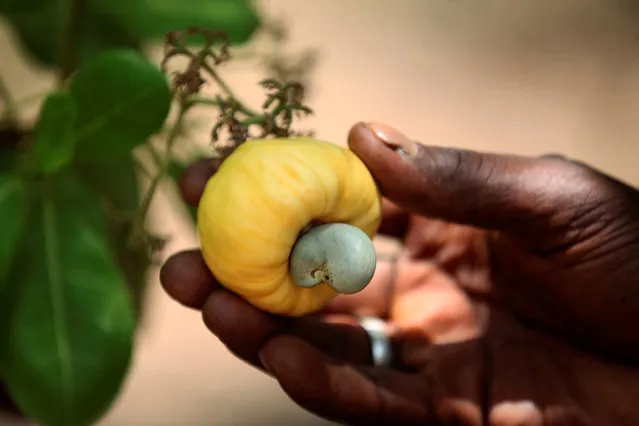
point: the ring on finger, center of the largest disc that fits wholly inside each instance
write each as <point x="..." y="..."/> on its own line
<point x="381" y="347"/>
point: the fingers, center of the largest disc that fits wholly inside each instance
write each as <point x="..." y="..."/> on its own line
<point x="194" y="179"/>
<point x="186" y="278"/>
<point x="343" y="392"/>
<point x="395" y="220"/>
<point x="491" y="191"/>
<point x="244" y="328"/>
<point x="446" y="391"/>
<point x="324" y="365"/>
<point x="319" y="362"/>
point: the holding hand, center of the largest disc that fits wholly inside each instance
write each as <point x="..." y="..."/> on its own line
<point x="512" y="301"/>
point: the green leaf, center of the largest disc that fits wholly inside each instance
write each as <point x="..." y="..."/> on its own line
<point x="11" y="134"/>
<point x="20" y="5"/>
<point x="54" y="137"/>
<point x="12" y="203"/>
<point x="39" y="26"/>
<point x="117" y="183"/>
<point x="7" y="160"/>
<point x="122" y="100"/>
<point x="70" y="329"/>
<point x="107" y="24"/>
<point x="152" y="19"/>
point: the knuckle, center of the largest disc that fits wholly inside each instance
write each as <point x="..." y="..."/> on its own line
<point x="583" y="202"/>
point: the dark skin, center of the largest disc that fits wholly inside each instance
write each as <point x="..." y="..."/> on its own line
<point x="512" y="302"/>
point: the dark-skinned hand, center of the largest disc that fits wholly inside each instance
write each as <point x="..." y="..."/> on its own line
<point x="514" y="300"/>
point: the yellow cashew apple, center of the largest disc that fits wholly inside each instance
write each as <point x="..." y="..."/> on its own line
<point x="287" y="224"/>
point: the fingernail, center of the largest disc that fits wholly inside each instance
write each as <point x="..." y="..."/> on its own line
<point x="554" y="156"/>
<point x="394" y="138"/>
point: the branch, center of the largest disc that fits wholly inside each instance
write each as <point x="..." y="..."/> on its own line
<point x="71" y="40"/>
<point x="163" y="167"/>
<point x="11" y="108"/>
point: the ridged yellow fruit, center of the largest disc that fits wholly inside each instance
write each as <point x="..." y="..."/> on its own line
<point x="264" y="195"/>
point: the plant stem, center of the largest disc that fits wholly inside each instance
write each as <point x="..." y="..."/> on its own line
<point x="71" y="40"/>
<point x="220" y="82"/>
<point x="31" y="98"/>
<point x="227" y="89"/>
<point x="201" y="100"/>
<point x="164" y="167"/>
<point x="11" y="108"/>
<point x="157" y="159"/>
<point x="140" y="166"/>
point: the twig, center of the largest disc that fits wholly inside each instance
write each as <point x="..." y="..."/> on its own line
<point x="164" y="167"/>
<point x="227" y="90"/>
<point x="140" y="166"/>
<point x="157" y="158"/>
<point x="71" y="40"/>
<point x="284" y="101"/>
<point x="202" y="100"/>
<point x="11" y="108"/>
<point x="31" y="98"/>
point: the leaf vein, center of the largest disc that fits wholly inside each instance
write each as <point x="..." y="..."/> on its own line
<point x="121" y="107"/>
<point x="58" y="304"/>
<point x="8" y="189"/>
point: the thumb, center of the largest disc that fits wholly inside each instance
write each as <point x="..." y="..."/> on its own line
<point x="510" y="193"/>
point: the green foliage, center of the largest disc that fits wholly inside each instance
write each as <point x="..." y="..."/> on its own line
<point x="74" y="252"/>
<point x="54" y="139"/>
<point x="116" y="183"/>
<point x="12" y="202"/>
<point x="69" y="341"/>
<point x="154" y="18"/>
<point x="122" y="99"/>
<point x="108" y="24"/>
<point x="67" y="314"/>
<point x="40" y="27"/>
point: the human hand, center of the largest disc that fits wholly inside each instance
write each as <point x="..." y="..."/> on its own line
<point x="502" y="306"/>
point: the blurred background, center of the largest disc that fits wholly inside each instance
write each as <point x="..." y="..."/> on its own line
<point x="528" y="77"/>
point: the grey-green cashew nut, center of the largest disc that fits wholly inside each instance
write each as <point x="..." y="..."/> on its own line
<point x="337" y="254"/>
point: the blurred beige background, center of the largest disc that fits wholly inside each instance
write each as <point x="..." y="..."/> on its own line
<point x="530" y="77"/>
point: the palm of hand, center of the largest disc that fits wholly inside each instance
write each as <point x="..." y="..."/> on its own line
<point x="478" y="362"/>
<point x="461" y="356"/>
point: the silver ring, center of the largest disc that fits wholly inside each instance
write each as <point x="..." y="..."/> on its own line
<point x="381" y="349"/>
